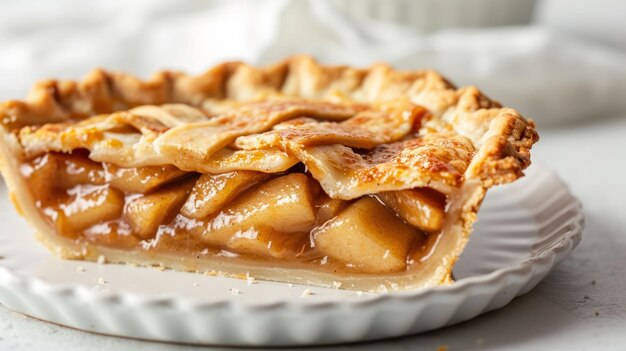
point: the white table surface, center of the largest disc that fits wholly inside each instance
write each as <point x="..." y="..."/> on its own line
<point x="580" y="306"/>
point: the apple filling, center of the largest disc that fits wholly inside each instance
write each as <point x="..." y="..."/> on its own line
<point x="278" y="219"/>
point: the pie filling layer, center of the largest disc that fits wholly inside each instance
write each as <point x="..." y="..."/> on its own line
<point x="283" y="219"/>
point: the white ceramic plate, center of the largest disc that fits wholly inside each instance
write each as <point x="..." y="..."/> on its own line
<point x="524" y="229"/>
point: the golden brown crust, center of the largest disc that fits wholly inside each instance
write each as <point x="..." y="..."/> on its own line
<point x="502" y="137"/>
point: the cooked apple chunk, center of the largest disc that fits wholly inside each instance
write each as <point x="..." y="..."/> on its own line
<point x="283" y="204"/>
<point x="263" y="241"/>
<point x="328" y="208"/>
<point x="147" y="212"/>
<point x="112" y="233"/>
<point x="421" y="207"/>
<point x="366" y="235"/>
<point x="212" y="191"/>
<point x="41" y="173"/>
<point x="87" y="206"/>
<point x="140" y="179"/>
<point x="78" y="169"/>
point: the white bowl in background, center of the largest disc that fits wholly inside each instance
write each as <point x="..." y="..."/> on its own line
<point x="431" y="15"/>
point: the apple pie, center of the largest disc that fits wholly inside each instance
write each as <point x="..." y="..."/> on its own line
<point x="298" y="172"/>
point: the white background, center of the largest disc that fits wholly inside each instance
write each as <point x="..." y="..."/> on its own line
<point x="567" y="70"/>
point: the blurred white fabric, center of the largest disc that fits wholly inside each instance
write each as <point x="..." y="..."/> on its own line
<point x="548" y="72"/>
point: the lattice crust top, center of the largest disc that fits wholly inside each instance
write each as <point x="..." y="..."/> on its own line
<point x="358" y="131"/>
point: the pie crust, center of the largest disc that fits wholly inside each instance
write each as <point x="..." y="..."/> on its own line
<point x="366" y="179"/>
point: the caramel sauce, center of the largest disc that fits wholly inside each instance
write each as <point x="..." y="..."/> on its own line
<point x="278" y="218"/>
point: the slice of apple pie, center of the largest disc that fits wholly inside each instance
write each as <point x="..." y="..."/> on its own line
<point x="297" y="172"/>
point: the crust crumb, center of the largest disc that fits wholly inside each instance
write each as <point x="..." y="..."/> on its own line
<point x="250" y="280"/>
<point x="306" y="292"/>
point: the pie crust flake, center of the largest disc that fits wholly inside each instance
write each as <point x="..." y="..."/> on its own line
<point x="298" y="172"/>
